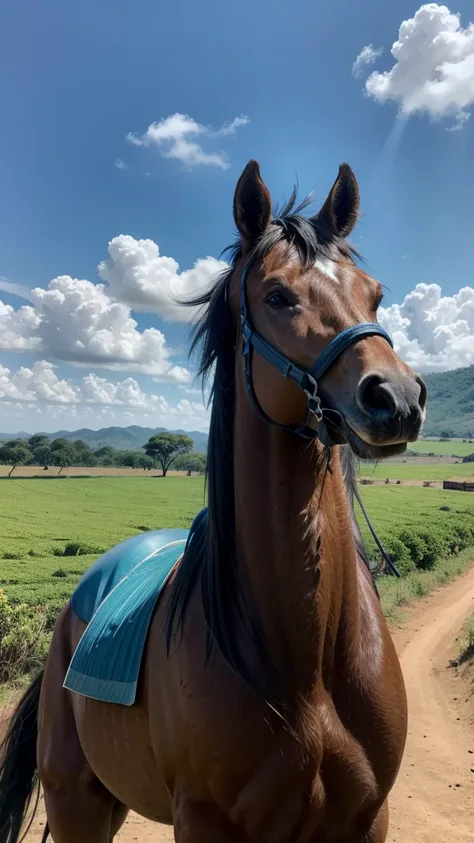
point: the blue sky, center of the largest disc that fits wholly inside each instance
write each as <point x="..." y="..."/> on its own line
<point x="79" y="80"/>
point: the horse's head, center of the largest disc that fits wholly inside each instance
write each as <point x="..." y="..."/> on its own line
<point x="310" y="339"/>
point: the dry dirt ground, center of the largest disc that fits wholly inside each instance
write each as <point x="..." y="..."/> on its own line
<point x="82" y="471"/>
<point x="433" y="800"/>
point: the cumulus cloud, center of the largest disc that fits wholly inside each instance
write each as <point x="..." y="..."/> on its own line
<point x="84" y="323"/>
<point x="434" y="67"/>
<point x="76" y="321"/>
<point x="38" y="384"/>
<point x="39" y="388"/>
<point x="432" y="332"/>
<point x="368" y="55"/>
<point x="18" y="328"/>
<point x="175" y="136"/>
<point x="140" y="277"/>
<point x="120" y="164"/>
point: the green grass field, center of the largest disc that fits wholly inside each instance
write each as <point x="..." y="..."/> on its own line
<point x="39" y="519"/>
<point x="453" y="448"/>
<point x="412" y="470"/>
<point x="411" y="507"/>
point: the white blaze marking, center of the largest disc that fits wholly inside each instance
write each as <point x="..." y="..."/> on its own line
<point x="327" y="267"/>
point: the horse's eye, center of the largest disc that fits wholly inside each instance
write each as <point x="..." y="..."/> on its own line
<point x="278" y="301"/>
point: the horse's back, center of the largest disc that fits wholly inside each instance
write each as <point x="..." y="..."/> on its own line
<point x="115" y="564"/>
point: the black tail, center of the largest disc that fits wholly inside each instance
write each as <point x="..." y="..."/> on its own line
<point x="19" y="783"/>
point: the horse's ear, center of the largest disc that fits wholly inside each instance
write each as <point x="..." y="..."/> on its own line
<point x="340" y="211"/>
<point x="252" y="204"/>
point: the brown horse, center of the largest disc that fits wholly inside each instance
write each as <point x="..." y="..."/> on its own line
<point x="271" y="705"/>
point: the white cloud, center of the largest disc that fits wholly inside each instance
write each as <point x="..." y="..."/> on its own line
<point x="171" y="128"/>
<point x="432" y="332"/>
<point x="18" y="328"/>
<point x="231" y="128"/>
<point x="459" y="121"/>
<point x="121" y="165"/>
<point x="140" y="277"/>
<point x="91" y="324"/>
<point x="39" y="388"/>
<point x="368" y="55"/>
<point x="14" y="289"/>
<point x="38" y="384"/>
<point x="76" y="321"/>
<point x="434" y="66"/>
<point x="175" y="136"/>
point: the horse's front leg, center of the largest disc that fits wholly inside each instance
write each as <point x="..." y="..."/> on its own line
<point x="379" y="828"/>
<point x="203" y="823"/>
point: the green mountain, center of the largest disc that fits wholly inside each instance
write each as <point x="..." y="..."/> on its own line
<point x="124" y="438"/>
<point x="451" y="403"/>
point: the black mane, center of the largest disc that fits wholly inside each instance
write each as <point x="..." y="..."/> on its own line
<point x="210" y="558"/>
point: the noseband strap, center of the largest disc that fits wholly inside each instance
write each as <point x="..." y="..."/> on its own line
<point x="305" y="379"/>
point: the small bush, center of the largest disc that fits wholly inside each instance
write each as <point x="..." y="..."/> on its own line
<point x="23" y="641"/>
<point x="436" y="546"/>
<point x="53" y="610"/>
<point x="60" y="573"/>
<point x="400" y="555"/>
<point x="78" y="549"/>
<point x="416" y="546"/>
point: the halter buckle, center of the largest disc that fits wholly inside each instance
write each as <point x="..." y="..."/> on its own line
<point x="313" y="401"/>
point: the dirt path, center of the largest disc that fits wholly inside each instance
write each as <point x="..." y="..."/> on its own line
<point x="433" y="801"/>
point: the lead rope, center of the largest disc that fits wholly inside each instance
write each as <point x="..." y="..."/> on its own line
<point x="385" y="556"/>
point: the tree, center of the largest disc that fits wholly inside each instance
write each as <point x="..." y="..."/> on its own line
<point x="14" y="453"/>
<point x="42" y="454"/>
<point x="62" y="453"/>
<point x="62" y="442"/>
<point x="145" y="462"/>
<point x="191" y="462"/>
<point x="62" y="457"/>
<point x="83" y="454"/>
<point x="107" y="455"/>
<point x="165" y="447"/>
<point x="40" y="447"/>
<point x="130" y="459"/>
<point x="39" y="440"/>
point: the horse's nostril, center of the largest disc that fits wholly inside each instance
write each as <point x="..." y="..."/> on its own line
<point x="423" y="393"/>
<point x="375" y="395"/>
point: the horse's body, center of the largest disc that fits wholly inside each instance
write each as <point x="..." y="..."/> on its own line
<point x="271" y="705"/>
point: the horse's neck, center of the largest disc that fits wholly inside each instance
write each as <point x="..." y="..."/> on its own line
<point x="294" y="545"/>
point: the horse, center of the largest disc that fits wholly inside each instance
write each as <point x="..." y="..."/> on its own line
<point x="271" y="705"/>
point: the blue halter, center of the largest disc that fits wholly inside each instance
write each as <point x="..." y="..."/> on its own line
<point x="306" y="379"/>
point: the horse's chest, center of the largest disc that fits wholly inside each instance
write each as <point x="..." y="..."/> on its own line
<point x="289" y="799"/>
<point x="287" y="788"/>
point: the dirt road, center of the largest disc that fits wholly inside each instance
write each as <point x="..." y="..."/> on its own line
<point x="433" y="801"/>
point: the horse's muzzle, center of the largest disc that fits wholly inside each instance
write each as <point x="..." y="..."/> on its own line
<point x="390" y="410"/>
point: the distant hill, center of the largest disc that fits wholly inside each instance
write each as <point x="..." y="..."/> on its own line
<point x="450" y="411"/>
<point x="451" y="403"/>
<point x="124" y="438"/>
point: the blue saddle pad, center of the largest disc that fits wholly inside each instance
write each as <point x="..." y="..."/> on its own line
<point x="117" y="597"/>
